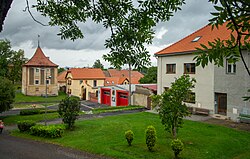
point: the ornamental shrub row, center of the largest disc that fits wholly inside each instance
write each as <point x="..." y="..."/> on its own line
<point x="35" y="111"/>
<point x="50" y="131"/>
<point x="25" y="125"/>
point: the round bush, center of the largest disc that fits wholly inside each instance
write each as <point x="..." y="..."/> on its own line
<point x="150" y="137"/>
<point x="129" y="135"/>
<point x="177" y="146"/>
<point x="25" y="125"/>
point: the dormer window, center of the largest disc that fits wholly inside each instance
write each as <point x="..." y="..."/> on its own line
<point x="197" y="38"/>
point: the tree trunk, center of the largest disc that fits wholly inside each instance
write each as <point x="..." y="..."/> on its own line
<point x="129" y="78"/>
<point x="4" y="8"/>
<point x="174" y="132"/>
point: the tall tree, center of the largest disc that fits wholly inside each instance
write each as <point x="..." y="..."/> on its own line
<point x="150" y="76"/>
<point x="7" y="94"/>
<point x="11" y="62"/>
<point x="171" y="104"/>
<point x="131" y="24"/>
<point x="98" y="64"/>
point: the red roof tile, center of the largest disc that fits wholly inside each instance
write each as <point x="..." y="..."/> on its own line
<point x="206" y="34"/>
<point x="61" y="76"/>
<point x="135" y="75"/>
<point x="110" y="81"/>
<point x="39" y="59"/>
<point x="86" y="73"/>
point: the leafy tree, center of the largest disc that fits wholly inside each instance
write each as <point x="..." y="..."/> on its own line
<point x="11" y="62"/>
<point x="150" y="76"/>
<point x="171" y="104"/>
<point x="98" y="64"/>
<point x="7" y="94"/>
<point x="236" y="14"/>
<point x="60" y="69"/>
<point x="69" y="109"/>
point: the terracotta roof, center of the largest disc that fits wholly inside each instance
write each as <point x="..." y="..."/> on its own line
<point x="135" y="75"/>
<point x="110" y="81"/>
<point x="61" y="76"/>
<point x="206" y="34"/>
<point x="39" y="59"/>
<point x="152" y="87"/>
<point x="86" y="73"/>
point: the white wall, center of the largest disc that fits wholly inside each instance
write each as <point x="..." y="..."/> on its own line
<point x="235" y="85"/>
<point x="204" y="89"/>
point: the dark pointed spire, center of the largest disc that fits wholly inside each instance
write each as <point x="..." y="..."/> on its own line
<point x="38" y="42"/>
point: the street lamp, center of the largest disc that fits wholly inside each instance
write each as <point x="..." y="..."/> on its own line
<point x="46" y="93"/>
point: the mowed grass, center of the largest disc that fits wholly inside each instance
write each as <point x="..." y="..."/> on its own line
<point x="13" y="119"/>
<point x="20" y="98"/>
<point x="105" y="136"/>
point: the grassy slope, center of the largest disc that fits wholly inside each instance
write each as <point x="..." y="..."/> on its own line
<point x="106" y="136"/>
<point x="22" y="98"/>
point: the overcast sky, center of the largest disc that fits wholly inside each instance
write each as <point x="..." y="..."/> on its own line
<point x="22" y="31"/>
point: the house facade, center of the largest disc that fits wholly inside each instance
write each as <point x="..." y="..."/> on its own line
<point x="218" y="89"/>
<point x="39" y="76"/>
<point x="84" y="82"/>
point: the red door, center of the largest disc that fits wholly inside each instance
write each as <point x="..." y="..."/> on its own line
<point x="122" y="99"/>
<point x="106" y="97"/>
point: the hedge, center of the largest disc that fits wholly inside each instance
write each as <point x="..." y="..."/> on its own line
<point x="25" y="125"/>
<point x="50" y="131"/>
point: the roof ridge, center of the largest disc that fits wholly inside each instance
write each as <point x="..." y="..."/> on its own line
<point x="183" y="38"/>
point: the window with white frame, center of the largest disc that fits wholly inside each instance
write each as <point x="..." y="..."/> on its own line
<point x="231" y="68"/>
<point x="36" y="81"/>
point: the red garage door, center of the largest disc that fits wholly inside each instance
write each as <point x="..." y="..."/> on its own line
<point x="122" y="99"/>
<point x="106" y="97"/>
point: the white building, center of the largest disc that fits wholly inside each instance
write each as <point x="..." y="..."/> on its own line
<point x="219" y="89"/>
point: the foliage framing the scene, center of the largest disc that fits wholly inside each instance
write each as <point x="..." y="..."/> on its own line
<point x="171" y="106"/>
<point x="7" y="94"/>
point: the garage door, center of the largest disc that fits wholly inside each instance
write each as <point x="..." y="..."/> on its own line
<point x="122" y="99"/>
<point x="106" y="97"/>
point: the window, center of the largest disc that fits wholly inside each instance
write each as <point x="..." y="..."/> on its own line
<point x="69" y="91"/>
<point x="69" y="81"/>
<point x="47" y="81"/>
<point x="197" y="38"/>
<point x="96" y="94"/>
<point x="80" y="81"/>
<point x="189" y="68"/>
<point x="37" y="89"/>
<point x="231" y="68"/>
<point x="95" y="83"/>
<point x="36" y="81"/>
<point x="166" y="88"/>
<point x="37" y="70"/>
<point x="170" y="68"/>
<point x="190" y="98"/>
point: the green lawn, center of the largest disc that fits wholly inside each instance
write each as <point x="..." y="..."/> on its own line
<point x="13" y="119"/>
<point x="20" y="98"/>
<point x="105" y="136"/>
<point x="113" y="109"/>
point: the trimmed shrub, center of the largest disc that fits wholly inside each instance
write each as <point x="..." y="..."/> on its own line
<point x="177" y="146"/>
<point x="29" y="112"/>
<point x="50" y="131"/>
<point x="25" y="125"/>
<point x="150" y="137"/>
<point x="129" y="135"/>
<point x="69" y="109"/>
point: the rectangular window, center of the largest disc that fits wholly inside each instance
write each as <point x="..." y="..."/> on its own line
<point x="189" y="68"/>
<point x="37" y="70"/>
<point x="69" y="91"/>
<point x="47" y="81"/>
<point x="171" y="68"/>
<point x="80" y="81"/>
<point x="95" y="83"/>
<point x="69" y="82"/>
<point x="231" y="68"/>
<point x="190" y="98"/>
<point x="36" y="81"/>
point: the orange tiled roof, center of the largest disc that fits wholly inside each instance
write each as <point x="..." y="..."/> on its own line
<point x="206" y="34"/>
<point x="86" y="73"/>
<point x="135" y="75"/>
<point x="39" y="59"/>
<point x="61" y="76"/>
<point x="110" y="81"/>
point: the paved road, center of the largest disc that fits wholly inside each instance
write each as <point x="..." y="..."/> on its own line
<point x="18" y="148"/>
